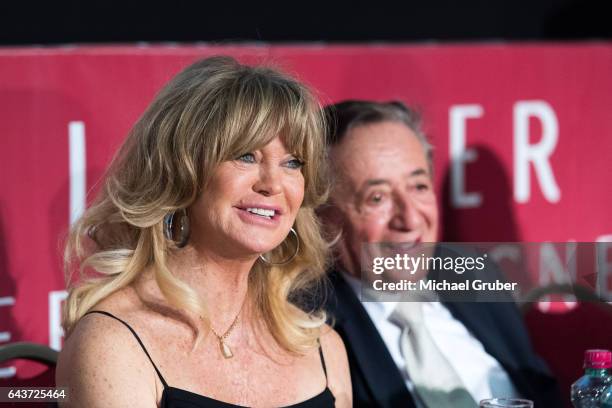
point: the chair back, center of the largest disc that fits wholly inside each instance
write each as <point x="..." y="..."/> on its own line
<point x="32" y="352"/>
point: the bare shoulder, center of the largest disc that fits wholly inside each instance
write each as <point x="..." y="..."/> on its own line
<point x="331" y="342"/>
<point x="103" y="365"/>
<point x="336" y="362"/>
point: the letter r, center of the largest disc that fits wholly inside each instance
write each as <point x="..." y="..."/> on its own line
<point x="538" y="153"/>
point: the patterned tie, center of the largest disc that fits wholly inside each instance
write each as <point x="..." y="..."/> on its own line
<point x="435" y="381"/>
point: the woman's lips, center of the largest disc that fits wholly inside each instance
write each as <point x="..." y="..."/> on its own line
<point x="245" y="206"/>
<point x="254" y="219"/>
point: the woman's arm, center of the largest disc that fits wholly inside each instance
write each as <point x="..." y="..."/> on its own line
<point x="338" y="373"/>
<point x="103" y="366"/>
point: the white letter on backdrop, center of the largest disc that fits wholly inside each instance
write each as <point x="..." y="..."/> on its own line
<point x="538" y="153"/>
<point x="76" y="143"/>
<point x="459" y="155"/>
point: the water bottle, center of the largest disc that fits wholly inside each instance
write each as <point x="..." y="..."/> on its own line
<point x="588" y="389"/>
<point x="606" y="397"/>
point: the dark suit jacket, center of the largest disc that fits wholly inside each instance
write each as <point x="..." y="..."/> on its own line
<point x="378" y="383"/>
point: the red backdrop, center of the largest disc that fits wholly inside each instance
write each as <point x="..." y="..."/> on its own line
<point x="528" y="128"/>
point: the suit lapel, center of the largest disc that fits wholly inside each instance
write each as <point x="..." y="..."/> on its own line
<point x="367" y="348"/>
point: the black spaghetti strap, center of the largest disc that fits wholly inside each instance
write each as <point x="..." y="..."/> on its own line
<point x="139" y="342"/>
<point x="323" y="361"/>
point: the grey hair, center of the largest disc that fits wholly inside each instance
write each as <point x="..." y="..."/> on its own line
<point x="346" y="115"/>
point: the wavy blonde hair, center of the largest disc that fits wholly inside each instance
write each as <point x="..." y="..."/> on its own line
<point x="214" y="110"/>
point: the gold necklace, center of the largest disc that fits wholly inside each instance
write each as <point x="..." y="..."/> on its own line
<point x="226" y="351"/>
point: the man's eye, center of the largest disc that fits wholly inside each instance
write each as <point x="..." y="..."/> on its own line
<point x="422" y="187"/>
<point x="247" y="158"/>
<point x="376" y="198"/>
<point x="295" y="164"/>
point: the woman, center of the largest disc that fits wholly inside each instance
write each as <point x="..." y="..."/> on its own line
<point x="202" y="233"/>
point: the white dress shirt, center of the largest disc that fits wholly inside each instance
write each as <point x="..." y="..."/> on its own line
<point x="481" y="374"/>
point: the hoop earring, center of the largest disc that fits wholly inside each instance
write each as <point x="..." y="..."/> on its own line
<point x="297" y="249"/>
<point x="183" y="228"/>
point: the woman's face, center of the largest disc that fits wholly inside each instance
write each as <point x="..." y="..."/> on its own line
<point x="249" y="204"/>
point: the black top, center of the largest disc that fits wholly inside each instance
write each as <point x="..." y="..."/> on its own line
<point x="178" y="398"/>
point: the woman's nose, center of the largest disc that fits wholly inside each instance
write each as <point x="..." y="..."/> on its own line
<point x="269" y="181"/>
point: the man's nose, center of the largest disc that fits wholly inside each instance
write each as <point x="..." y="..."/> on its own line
<point x="406" y="215"/>
<point x="269" y="181"/>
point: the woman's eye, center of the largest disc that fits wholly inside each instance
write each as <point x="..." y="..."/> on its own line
<point x="422" y="187"/>
<point x="295" y="164"/>
<point x="247" y="158"/>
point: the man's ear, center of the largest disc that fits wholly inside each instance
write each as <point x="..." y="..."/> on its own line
<point x="332" y="220"/>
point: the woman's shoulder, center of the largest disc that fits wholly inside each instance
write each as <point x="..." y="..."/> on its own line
<point x="95" y="333"/>
<point x="97" y="330"/>
<point x="103" y="364"/>
<point x="329" y="333"/>
<point x="337" y="366"/>
<point x="110" y="326"/>
<point x="331" y="342"/>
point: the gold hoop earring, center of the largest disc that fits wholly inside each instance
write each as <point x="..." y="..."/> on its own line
<point x="297" y="249"/>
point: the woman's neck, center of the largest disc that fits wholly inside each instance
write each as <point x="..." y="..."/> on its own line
<point x="221" y="283"/>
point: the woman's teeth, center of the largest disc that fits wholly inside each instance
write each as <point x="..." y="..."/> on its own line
<point x="268" y="214"/>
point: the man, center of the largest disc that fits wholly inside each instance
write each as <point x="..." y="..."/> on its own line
<point x="382" y="191"/>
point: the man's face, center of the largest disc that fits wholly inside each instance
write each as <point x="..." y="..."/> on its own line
<point x="383" y="190"/>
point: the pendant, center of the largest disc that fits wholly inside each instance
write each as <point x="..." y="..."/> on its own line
<point x="225" y="349"/>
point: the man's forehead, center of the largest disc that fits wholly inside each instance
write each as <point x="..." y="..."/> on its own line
<point x="382" y="137"/>
<point x="379" y="154"/>
<point x="365" y="180"/>
<point x="378" y="181"/>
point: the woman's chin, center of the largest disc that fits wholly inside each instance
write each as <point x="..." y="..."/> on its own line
<point x="257" y="248"/>
<point x="245" y="244"/>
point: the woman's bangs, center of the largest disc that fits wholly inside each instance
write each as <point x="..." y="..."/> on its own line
<point x="273" y="114"/>
<point x="298" y="129"/>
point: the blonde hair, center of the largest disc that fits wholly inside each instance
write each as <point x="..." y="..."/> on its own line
<point x="214" y="110"/>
